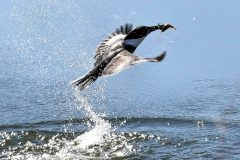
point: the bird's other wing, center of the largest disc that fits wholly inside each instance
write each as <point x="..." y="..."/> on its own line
<point x="112" y="42"/>
<point x="120" y="62"/>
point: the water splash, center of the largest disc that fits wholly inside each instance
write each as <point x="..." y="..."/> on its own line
<point x="99" y="141"/>
<point x="101" y="128"/>
<point x="96" y="141"/>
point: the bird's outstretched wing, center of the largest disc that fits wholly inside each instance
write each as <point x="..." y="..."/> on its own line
<point x="112" y="42"/>
<point x="125" y="59"/>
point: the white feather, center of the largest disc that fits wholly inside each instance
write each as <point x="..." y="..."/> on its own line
<point x="115" y="40"/>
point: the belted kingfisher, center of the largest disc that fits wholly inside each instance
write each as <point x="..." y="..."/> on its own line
<point x="115" y="53"/>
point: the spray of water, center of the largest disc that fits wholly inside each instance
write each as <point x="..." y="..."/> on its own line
<point x="101" y="128"/>
<point x="100" y="141"/>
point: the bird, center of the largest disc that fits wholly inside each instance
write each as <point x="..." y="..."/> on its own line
<point x="116" y="52"/>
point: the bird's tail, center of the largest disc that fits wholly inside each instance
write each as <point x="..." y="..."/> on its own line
<point x="83" y="82"/>
<point x="97" y="71"/>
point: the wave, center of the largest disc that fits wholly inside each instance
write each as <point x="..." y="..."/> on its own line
<point x="117" y="121"/>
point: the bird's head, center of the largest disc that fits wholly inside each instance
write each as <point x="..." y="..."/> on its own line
<point x="162" y="27"/>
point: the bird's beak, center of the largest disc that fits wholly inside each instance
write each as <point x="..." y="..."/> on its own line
<point x="162" y="27"/>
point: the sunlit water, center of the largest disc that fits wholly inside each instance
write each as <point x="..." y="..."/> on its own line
<point x="182" y="108"/>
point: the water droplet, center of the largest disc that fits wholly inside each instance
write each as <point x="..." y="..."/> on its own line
<point x="200" y="123"/>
